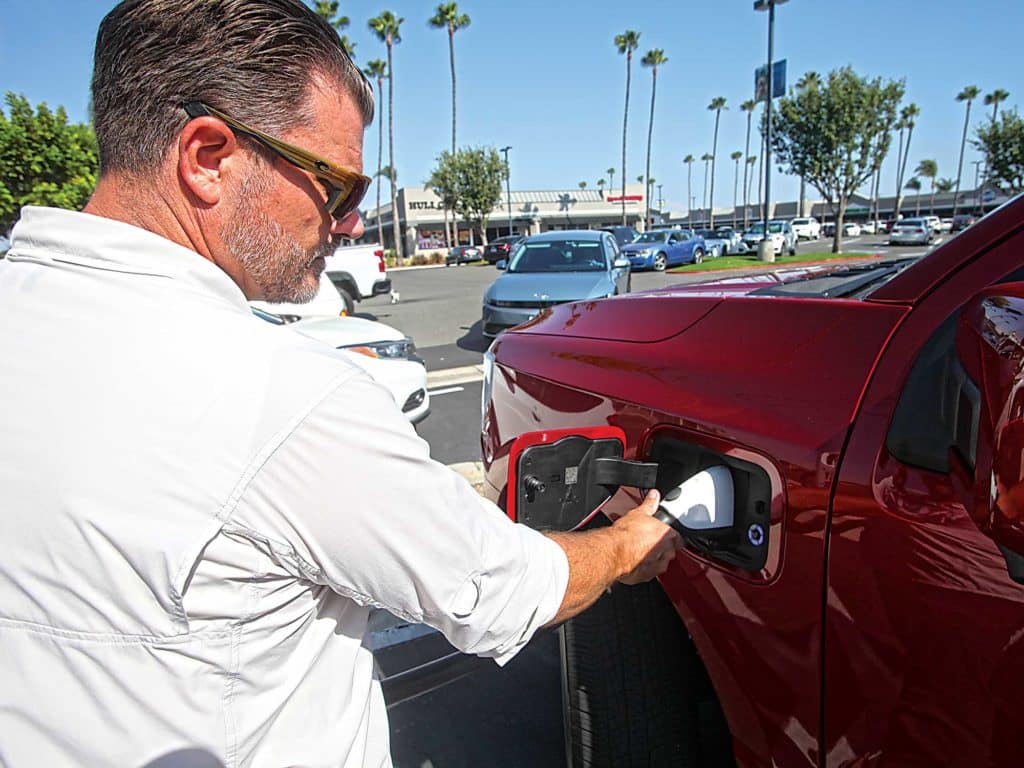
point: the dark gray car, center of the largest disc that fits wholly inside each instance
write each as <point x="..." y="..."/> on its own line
<point x="554" y="268"/>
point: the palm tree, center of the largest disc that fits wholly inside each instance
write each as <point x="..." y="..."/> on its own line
<point x="717" y="105"/>
<point x="611" y="179"/>
<point x="386" y="27"/>
<point x="929" y="169"/>
<point x="448" y="17"/>
<point x="707" y="157"/>
<point x="993" y="100"/>
<point x="689" y="160"/>
<point x="748" y="107"/>
<point x="751" y="161"/>
<point x="582" y="185"/>
<point x="626" y="43"/>
<point x="600" y="185"/>
<point x="653" y="59"/>
<point x="968" y="94"/>
<point x="944" y="185"/>
<point x="915" y="184"/>
<point x="378" y="70"/>
<point x="328" y="11"/>
<point x="908" y="116"/>
<point x="735" y="157"/>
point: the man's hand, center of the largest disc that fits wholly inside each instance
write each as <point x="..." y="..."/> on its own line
<point x="648" y="544"/>
<point x="636" y="548"/>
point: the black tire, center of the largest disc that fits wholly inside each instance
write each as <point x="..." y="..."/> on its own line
<point x="635" y="692"/>
<point x="792" y="249"/>
<point x="698" y="256"/>
<point x="629" y="283"/>
<point x="660" y="262"/>
<point x="350" y="304"/>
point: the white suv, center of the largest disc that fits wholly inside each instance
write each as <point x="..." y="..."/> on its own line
<point x="806" y="229"/>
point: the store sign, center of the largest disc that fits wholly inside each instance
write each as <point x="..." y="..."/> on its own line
<point x="425" y="205"/>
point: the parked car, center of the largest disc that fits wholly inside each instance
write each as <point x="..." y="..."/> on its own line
<point x="386" y="354"/>
<point x="806" y="228"/>
<point x="947" y="225"/>
<point x="911" y="232"/>
<point x="860" y="598"/>
<point x="851" y="229"/>
<point x="716" y="244"/>
<point x="828" y="229"/>
<point x="463" y="254"/>
<point x="934" y="222"/>
<point x="782" y="235"/>
<point x="501" y="248"/>
<point x="550" y="269"/>
<point x="963" y="220"/>
<point x="358" y="272"/>
<point x="662" y="248"/>
<point x="868" y="227"/>
<point x="622" y="235"/>
<point x="734" y="240"/>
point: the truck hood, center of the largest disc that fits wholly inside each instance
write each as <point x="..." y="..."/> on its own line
<point x="659" y="314"/>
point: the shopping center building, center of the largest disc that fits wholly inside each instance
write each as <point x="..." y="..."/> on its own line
<point x="421" y="217"/>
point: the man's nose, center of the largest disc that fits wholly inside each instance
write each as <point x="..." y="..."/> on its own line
<point x="351" y="226"/>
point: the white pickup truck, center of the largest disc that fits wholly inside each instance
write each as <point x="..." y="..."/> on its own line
<point x="358" y="272"/>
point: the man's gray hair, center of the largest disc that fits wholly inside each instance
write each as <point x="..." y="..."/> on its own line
<point x="254" y="60"/>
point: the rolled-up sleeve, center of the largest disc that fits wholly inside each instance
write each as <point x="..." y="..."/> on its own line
<point x="351" y="499"/>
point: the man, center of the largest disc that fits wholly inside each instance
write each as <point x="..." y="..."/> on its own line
<point x="198" y="510"/>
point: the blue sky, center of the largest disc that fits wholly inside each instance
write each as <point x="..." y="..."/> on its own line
<point x="546" y="78"/>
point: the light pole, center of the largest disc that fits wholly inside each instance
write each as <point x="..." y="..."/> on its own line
<point x="765" y="250"/>
<point x="508" y="189"/>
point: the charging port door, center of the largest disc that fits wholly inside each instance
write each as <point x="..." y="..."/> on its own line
<point x="559" y="479"/>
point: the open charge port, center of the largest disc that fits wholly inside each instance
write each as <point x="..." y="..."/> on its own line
<point x="746" y="546"/>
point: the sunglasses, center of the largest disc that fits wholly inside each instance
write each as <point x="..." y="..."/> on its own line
<point x="345" y="188"/>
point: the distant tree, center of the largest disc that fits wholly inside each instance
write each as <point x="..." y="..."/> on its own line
<point x="600" y="185"/>
<point x="717" y="105"/>
<point x="328" y="10"/>
<point x="914" y="185"/>
<point x="968" y="94"/>
<point x="1002" y="142"/>
<point x="944" y="185"/>
<point x="626" y="43"/>
<point x="708" y="158"/>
<point x="480" y="174"/>
<point x="386" y="26"/>
<point x="688" y="161"/>
<point x="907" y="121"/>
<point x="377" y="70"/>
<point x="582" y="185"/>
<point x="929" y="169"/>
<point x="835" y="135"/>
<point x="443" y="182"/>
<point x="654" y="58"/>
<point x="748" y="107"/>
<point x="44" y="160"/>
<point x="611" y="178"/>
<point x="994" y="99"/>
<point x="735" y="157"/>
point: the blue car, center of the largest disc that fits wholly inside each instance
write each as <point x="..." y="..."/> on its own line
<point x="553" y="268"/>
<point x="663" y="248"/>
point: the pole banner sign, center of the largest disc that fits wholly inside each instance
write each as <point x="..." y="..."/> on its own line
<point x="778" y="81"/>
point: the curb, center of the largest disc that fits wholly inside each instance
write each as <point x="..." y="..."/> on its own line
<point x="451" y="376"/>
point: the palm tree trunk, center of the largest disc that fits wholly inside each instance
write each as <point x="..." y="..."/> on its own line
<point x="399" y="250"/>
<point x="735" y="187"/>
<point x="746" y="165"/>
<point x="451" y="60"/>
<point x="931" y="204"/>
<point x="704" y="205"/>
<point x="625" y="122"/>
<point x="650" y="133"/>
<point x="689" y="193"/>
<point x="903" y="171"/>
<point x="960" y="164"/>
<point x="917" y="200"/>
<point x="899" y="179"/>
<point x="380" y="157"/>
<point x="714" y="154"/>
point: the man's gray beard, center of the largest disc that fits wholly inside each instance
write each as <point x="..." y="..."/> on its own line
<point x="271" y="258"/>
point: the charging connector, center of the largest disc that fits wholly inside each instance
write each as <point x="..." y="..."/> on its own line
<point x="702" y="506"/>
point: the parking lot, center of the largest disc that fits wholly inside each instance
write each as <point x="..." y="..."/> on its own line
<point x="490" y="716"/>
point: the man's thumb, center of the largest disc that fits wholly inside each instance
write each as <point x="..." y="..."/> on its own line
<point x="651" y="501"/>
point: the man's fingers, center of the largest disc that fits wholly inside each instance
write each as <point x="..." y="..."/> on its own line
<point x="650" y="503"/>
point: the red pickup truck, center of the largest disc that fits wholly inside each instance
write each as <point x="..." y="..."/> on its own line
<point x="865" y="604"/>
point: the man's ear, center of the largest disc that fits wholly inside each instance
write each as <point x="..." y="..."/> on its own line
<point x="206" y="148"/>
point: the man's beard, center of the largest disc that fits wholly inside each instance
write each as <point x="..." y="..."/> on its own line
<point x="274" y="260"/>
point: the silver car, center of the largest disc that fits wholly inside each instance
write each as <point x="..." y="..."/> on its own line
<point x="554" y="268"/>
<point x="911" y="232"/>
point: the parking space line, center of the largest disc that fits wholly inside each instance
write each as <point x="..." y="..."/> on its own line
<point x="445" y="391"/>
